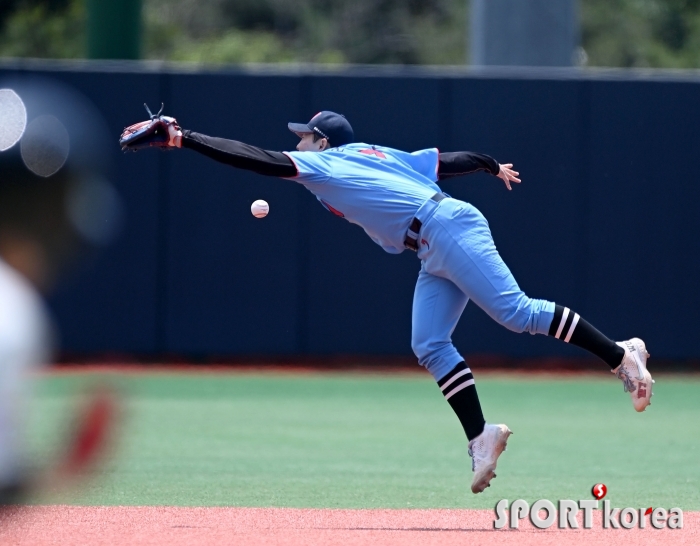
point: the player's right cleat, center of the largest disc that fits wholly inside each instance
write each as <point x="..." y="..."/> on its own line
<point x="484" y="451"/>
<point x="634" y="374"/>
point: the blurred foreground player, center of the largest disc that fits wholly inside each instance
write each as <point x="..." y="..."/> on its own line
<point x="46" y="189"/>
<point x="394" y="197"/>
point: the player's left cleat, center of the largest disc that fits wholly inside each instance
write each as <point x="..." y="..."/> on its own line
<point x="484" y="451"/>
<point x="634" y="374"/>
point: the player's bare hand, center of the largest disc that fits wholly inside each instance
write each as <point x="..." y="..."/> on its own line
<point x="508" y="175"/>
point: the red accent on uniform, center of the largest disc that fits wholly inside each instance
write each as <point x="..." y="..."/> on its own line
<point x="370" y="151"/>
<point x="334" y="210"/>
<point x="424" y="242"/>
<point x="649" y="511"/>
<point x="92" y="432"/>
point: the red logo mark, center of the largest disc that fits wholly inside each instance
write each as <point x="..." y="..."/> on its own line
<point x="599" y="490"/>
<point x="424" y="242"/>
<point x="649" y="511"/>
<point x="370" y="151"/>
<point x="333" y="210"/>
<point x="642" y="391"/>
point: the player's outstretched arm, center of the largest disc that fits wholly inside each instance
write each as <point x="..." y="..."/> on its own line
<point x="163" y="132"/>
<point x="240" y="155"/>
<point x="452" y="164"/>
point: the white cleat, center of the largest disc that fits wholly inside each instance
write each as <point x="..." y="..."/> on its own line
<point x="634" y="374"/>
<point x="484" y="451"/>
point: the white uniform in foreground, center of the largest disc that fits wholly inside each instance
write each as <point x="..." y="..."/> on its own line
<point x="24" y="348"/>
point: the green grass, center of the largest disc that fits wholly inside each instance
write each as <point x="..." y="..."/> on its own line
<point x="363" y="441"/>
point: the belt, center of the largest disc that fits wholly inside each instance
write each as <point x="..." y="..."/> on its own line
<point x="411" y="240"/>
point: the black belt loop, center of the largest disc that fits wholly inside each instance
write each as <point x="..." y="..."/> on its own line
<point x="411" y="240"/>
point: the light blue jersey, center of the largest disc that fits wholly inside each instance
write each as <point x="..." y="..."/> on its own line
<point x="382" y="190"/>
<point x="377" y="188"/>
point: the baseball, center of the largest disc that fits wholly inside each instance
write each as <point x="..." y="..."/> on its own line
<point x="260" y="208"/>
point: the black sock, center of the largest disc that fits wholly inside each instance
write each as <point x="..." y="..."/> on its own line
<point x="571" y="328"/>
<point x="459" y="390"/>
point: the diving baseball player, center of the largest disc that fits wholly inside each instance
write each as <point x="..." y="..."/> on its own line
<point x="394" y="196"/>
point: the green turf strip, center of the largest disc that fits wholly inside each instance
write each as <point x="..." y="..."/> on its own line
<point x="364" y="441"/>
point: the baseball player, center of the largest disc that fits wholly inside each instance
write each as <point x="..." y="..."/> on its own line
<point x="40" y="177"/>
<point x="393" y="195"/>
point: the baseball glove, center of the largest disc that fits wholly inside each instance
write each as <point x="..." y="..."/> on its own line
<point x="158" y="132"/>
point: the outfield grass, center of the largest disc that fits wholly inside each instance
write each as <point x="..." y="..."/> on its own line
<point x="365" y="441"/>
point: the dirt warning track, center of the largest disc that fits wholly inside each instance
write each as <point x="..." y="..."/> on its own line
<point x="176" y="526"/>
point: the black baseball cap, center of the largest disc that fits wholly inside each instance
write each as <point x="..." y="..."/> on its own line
<point x="329" y="125"/>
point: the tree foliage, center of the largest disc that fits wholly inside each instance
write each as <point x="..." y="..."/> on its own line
<point x="42" y="28"/>
<point x="361" y="31"/>
<point x="625" y="33"/>
<point x="642" y="33"/>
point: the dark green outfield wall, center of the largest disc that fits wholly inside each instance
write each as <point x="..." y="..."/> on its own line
<point x="604" y="222"/>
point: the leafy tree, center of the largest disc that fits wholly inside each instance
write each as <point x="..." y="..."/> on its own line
<point x="42" y="28"/>
<point x="362" y="31"/>
<point x="625" y="33"/>
<point x="642" y="33"/>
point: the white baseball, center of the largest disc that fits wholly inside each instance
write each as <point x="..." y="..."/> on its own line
<point x="260" y="208"/>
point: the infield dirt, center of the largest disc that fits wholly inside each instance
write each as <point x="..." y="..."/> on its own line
<point x="177" y="526"/>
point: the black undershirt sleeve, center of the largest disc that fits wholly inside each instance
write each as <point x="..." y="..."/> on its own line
<point x="453" y="164"/>
<point x="245" y="156"/>
<point x="240" y="155"/>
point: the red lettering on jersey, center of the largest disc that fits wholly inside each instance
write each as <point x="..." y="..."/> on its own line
<point x="370" y="151"/>
<point x="333" y="210"/>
